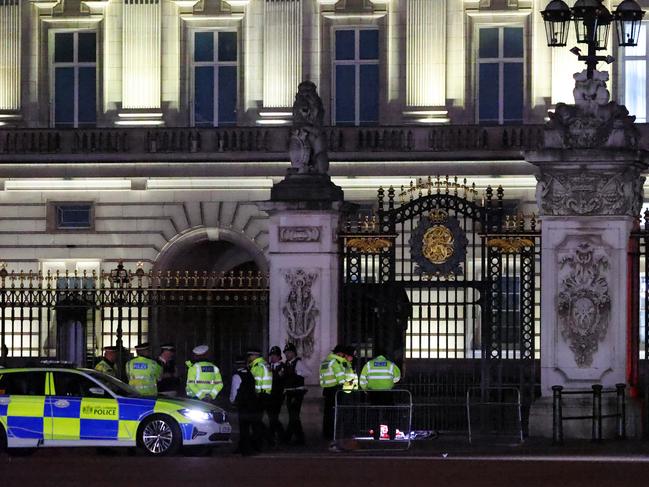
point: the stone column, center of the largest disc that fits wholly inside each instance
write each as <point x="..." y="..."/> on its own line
<point x="141" y="58"/>
<point x="589" y="192"/>
<point x="10" y="47"/>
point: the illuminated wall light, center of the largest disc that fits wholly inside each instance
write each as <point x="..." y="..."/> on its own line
<point x="10" y="55"/>
<point x="276" y="114"/>
<point x="141" y="115"/>
<point x="141" y="54"/>
<point x="272" y="121"/>
<point x="141" y="123"/>
<point x="67" y="184"/>
<point x="282" y="52"/>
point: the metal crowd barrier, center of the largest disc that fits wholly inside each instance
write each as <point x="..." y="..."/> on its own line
<point x="596" y="418"/>
<point x="367" y="420"/>
<point x="494" y="413"/>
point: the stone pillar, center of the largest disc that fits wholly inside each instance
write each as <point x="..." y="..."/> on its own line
<point x="141" y="58"/>
<point x="589" y="192"/>
<point x="10" y="48"/>
<point x="426" y="61"/>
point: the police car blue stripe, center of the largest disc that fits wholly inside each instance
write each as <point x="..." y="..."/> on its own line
<point x="25" y="427"/>
<point x="73" y="410"/>
<point x="187" y="430"/>
<point x="135" y="409"/>
<point x="98" y="429"/>
<point x="3" y="409"/>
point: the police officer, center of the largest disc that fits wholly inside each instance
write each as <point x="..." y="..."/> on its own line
<point x="263" y="386"/>
<point x="203" y="377"/>
<point x="351" y="377"/>
<point x="244" y="398"/>
<point x="169" y="382"/>
<point x="378" y="377"/>
<point x="143" y="372"/>
<point x="107" y="362"/>
<point x="333" y="375"/>
<point x="294" y="389"/>
<point x="276" y="399"/>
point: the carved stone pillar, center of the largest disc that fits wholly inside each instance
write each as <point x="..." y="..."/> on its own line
<point x="589" y="192"/>
<point x="10" y="27"/>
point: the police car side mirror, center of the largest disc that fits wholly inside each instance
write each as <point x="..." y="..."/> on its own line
<point x="97" y="391"/>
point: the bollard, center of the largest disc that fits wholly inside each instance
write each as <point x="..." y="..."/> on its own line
<point x="621" y="411"/>
<point x="557" y="416"/>
<point x="597" y="412"/>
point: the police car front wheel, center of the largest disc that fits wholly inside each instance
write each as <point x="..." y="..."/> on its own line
<point x="159" y="435"/>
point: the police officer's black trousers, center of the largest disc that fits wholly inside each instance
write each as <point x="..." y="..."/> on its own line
<point x="294" y="408"/>
<point x="250" y="432"/>
<point x="329" y="412"/>
<point x="273" y="407"/>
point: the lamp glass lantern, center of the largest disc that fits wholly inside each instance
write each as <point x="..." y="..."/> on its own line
<point x="592" y="23"/>
<point x="556" y="18"/>
<point x="628" y="18"/>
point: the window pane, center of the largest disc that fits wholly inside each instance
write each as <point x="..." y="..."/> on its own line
<point x="204" y="46"/>
<point x="23" y="384"/>
<point x="635" y="88"/>
<point x="369" y="44"/>
<point x="345" y="44"/>
<point x="369" y="94"/>
<point x="227" y="95"/>
<point x="488" y="43"/>
<point x="227" y="46"/>
<point x="513" y="87"/>
<point x="73" y="385"/>
<point x="87" y="49"/>
<point x="345" y="99"/>
<point x="513" y="42"/>
<point x="641" y="48"/>
<point x="64" y="47"/>
<point x="64" y="96"/>
<point x="488" y="89"/>
<point x="73" y="216"/>
<point x="87" y="96"/>
<point x="204" y="96"/>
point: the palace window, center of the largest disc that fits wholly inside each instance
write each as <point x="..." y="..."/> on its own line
<point x="500" y="75"/>
<point x="635" y="77"/>
<point x="356" y="76"/>
<point x="74" y="78"/>
<point x="70" y="216"/>
<point x="214" y="68"/>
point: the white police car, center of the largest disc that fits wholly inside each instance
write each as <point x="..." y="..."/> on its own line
<point x="50" y="407"/>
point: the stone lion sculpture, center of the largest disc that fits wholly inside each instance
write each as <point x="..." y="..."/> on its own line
<point x="308" y="144"/>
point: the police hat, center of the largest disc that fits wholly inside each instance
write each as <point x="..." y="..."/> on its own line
<point x="254" y="351"/>
<point x="275" y="351"/>
<point x="169" y="347"/>
<point x="289" y="347"/>
<point x="200" y="350"/>
<point x="240" y="360"/>
<point x="142" y="346"/>
<point x="110" y="348"/>
<point x="351" y="351"/>
<point x="339" y="349"/>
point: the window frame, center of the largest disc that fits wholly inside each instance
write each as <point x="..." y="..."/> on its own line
<point x="357" y="63"/>
<point x="52" y="217"/>
<point x="624" y="57"/>
<point x="75" y="64"/>
<point x="501" y="60"/>
<point x="216" y="64"/>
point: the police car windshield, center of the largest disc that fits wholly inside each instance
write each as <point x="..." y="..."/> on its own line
<point x="114" y="385"/>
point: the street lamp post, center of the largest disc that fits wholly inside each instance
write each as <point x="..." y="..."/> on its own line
<point x="592" y="25"/>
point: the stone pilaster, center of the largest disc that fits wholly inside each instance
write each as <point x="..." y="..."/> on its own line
<point x="10" y="30"/>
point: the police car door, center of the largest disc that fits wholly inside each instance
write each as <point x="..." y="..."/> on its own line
<point x="22" y="406"/>
<point x="82" y="410"/>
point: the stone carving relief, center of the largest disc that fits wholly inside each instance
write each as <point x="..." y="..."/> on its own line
<point x="593" y="121"/>
<point x="308" y="143"/>
<point x="590" y="194"/>
<point x="584" y="303"/>
<point x="299" y="234"/>
<point x="301" y="310"/>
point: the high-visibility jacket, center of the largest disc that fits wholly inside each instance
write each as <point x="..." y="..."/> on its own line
<point x="333" y="370"/>
<point x="262" y="374"/>
<point x="379" y="374"/>
<point x="351" y="379"/>
<point x="143" y="375"/>
<point x="106" y="367"/>
<point x="203" y="379"/>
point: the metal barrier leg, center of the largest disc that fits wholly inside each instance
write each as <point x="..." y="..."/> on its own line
<point x="557" y="416"/>
<point x="597" y="412"/>
<point x="621" y="411"/>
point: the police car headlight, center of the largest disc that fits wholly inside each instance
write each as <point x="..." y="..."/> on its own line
<point x="196" y="414"/>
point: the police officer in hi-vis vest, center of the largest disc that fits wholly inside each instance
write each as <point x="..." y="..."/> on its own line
<point x="143" y="372"/>
<point x="204" y="380"/>
<point x="378" y="377"/>
<point x="334" y="373"/>
<point x="107" y="363"/>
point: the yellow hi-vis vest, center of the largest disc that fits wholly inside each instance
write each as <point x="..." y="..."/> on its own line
<point x="143" y="375"/>
<point x="262" y="374"/>
<point x="333" y="371"/>
<point x="379" y="374"/>
<point x="106" y="368"/>
<point x="203" y="379"/>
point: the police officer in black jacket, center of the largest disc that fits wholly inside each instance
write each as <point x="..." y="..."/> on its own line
<point x="244" y="397"/>
<point x="295" y="372"/>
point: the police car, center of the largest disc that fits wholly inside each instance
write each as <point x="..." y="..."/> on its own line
<point x="51" y="406"/>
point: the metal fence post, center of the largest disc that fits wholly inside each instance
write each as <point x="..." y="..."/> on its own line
<point x="621" y="411"/>
<point x="557" y="416"/>
<point x="597" y="412"/>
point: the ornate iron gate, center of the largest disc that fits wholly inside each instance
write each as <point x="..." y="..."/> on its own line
<point x="447" y="284"/>
<point x="71" y="316"/>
